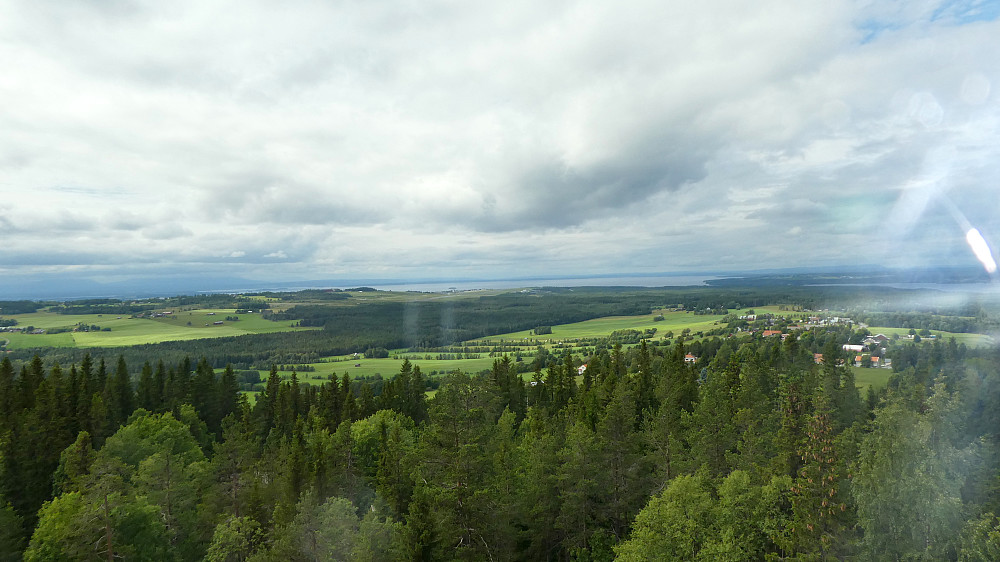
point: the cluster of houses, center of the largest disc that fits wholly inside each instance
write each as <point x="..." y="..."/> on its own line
<point x="870" y="352"/>
<point x="164" y="314"/>
<point x="820" y="322"/>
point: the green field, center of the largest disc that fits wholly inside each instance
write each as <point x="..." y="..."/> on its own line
<point x="127" y="331"/>
<point x="596" y="328"/>
<point x="865" y="377"/>
<point x="971" y="340"/>
<point x="601" y="327"/>
<point x="387" y="368"/>
<point x="775" y="309"/>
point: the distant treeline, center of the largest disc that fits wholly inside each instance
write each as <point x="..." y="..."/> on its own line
<point x="931" y="321"/>
<point x="20" y="307"/>
<point x="117" y="306"/>
<point x="431" y="324"/>
<point x="436" y="323"/>
<point x="941" y="275"/>
<point x="243" y="352"/>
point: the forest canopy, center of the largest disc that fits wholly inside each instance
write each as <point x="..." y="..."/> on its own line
<point x="738" y="445"/>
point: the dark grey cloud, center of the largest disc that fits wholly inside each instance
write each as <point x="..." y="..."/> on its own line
<point x="260" y="197"/>
<point x="68" y="257"/>
<point x="552" y="195"/>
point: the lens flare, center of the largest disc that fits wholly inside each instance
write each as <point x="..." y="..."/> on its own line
<point x="981" y="249"/>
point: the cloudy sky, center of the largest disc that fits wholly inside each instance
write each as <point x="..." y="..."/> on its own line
<point x="424" y="138"/>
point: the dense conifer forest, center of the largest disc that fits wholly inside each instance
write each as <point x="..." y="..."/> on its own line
<point x="755" y="451"/>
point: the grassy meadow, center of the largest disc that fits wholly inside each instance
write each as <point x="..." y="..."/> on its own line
<point x="865" y="377"/>
<point x="125" y="331"/>
<point x="970" y="340"/>
<point x="387" y="367"/>
<point x="674" y="321"/>
<point x="596" y="328"/>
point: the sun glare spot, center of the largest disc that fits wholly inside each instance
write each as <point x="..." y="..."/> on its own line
<point x="981" y="249"/>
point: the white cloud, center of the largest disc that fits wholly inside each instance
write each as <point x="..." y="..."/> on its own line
<point x="581" y="137"/>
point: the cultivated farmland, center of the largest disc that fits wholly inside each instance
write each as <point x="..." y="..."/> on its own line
<point x="117" y="331"/>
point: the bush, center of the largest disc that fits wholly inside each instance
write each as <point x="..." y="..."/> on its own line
<point x="249" y="377"/>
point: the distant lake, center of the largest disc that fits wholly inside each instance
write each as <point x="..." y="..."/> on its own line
<point x="947" y="287"/>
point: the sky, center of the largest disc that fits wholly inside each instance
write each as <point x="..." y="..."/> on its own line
<point x="297" y="140"/>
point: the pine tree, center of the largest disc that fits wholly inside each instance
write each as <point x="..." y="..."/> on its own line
<point x="711" y="427"/>
<point x="330" y="402"/>
<point x="394" y="480"/>
<point x="144" y="390"/>
<point x="204" y="395"/>
<point x="417" y="398"/>
<point x="266" y="410"/>
<point x="226" y="396"/>
<point x="158" y="391"/>
<point x="645" y="395"/>
<point x="233" y="458"/>
<point x="817" y="504"/>
<point x="349" y="409"/>
<point x="7" y="385"/>
<point x="74" y="465"/>
<point x="118" y="394"/>
<point x="101" y="376"/>
<point x="366" y="401"/>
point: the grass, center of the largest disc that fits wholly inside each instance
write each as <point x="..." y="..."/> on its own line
<point x="126" y="331"/>
<point x="774" y="309"/>
<point x="601" y="327"/>
<point x="970" y="340"/>
<point x="387" y="368"/>
<point x="865" y="377"/>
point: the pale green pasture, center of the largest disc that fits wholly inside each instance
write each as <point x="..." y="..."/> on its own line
<point x="22" y="341"/>
<point x="388" y="368"/>
<point x="601" y="327"/>
<point x="865" y="377"/>
<point x="49" y="321"/>
<point x="253" y="394"/>
<point x="774" y="309"/>
<point x="205" y="319"/>
<point x="971" y="340"/>
<point x="127" y="331"/>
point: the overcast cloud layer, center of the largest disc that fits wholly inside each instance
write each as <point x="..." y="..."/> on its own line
<point x="405" y="139"/>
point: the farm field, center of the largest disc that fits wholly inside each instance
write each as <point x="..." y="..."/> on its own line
<point x="864" y="377"/>
<point x="774" y="309"/>
<point x="387" y="368"/>
<point x="675" y="321"/>
<point x="971" y="340"/>
<point x="127" y="331"/>
<point x="595" y="328"/>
